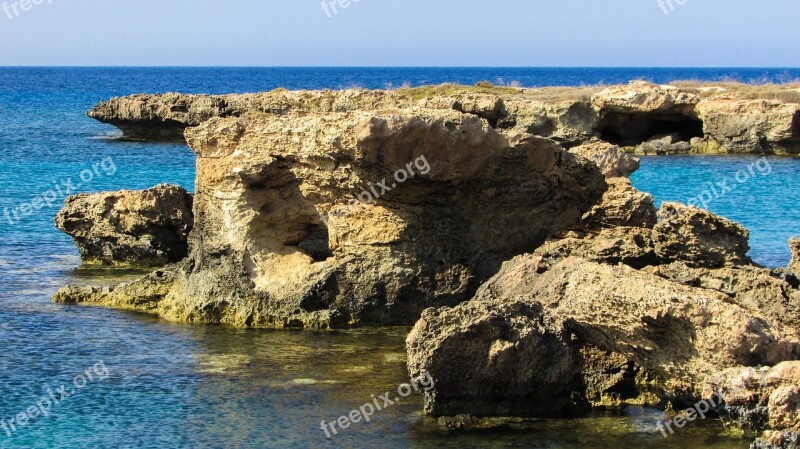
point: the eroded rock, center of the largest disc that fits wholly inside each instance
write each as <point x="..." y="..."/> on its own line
<point x="131" y="228"/>
<point x="275" y="242"/>
<point x="665" y="328"/>
<point x="699" y="238"/>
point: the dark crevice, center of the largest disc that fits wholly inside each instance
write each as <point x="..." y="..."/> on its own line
<point x="634" y="129"/>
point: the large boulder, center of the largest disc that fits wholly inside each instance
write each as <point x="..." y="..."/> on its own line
<point x="129" y="228"/>
<point x="491" y="355"/>
<point x="329" y="219"/>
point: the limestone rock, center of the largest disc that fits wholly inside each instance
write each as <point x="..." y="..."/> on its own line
<point x="281" y="239"/>
<point x="794" y="265"/>
<point x="138" y="228"/>
<point x="778" y="440"/>
<point x="622" y="205"/>
<point x="758" y="398"/>
<point x="630" y="246"/>
<point x="750" y="286"/>
<point x="612" y="160"/>
<point x="750" y="126"/>
<point x="643" y="97"/>
<point x="496" y="353"/>
<point x="699" y="238"/>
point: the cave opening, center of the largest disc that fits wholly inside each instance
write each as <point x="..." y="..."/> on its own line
<point x="796" y="126"/>
<point x="626" y="129"/>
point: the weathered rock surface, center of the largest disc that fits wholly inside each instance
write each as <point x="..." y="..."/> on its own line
<point x="699" y="238"/>
<point x="262" y="255"/>
<point x="777" y="440"/>
<point x="138" y="228"/>
<point x="622" y="205"/>
<point x="612" y="160"/>
<point x="750" y="126"/>
<point x="794" y="265"/>
<point x="516" y="347"/>
<point x="758" y="398"/>
<point x="648" y="118"/>
<point x="643" y="97"/>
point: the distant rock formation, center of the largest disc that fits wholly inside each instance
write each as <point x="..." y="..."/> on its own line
<point x="641" y="117"/>
<point x="147" y="228"/>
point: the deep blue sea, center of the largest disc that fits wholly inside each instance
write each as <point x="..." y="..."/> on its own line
<point x="160" y="385"/>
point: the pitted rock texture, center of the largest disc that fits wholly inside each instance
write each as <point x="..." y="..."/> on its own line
<point x="516" y="347"/>
<point x="276" y="244"/>
<point x="129" y="228"/>
<point x="699" y="238"/>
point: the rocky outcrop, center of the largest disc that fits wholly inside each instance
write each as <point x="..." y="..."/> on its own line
<point x="640" y="97"/>
<point x="750" y="126"/>
<point x="760" y="398"/>
<point x="130" y="228"/>
<point x="166" y="116"/>
<point x="643" y="117"/>
<point x="698" y="237"/>
<point x="519" y="347"/>
<point x="334" y="218"/>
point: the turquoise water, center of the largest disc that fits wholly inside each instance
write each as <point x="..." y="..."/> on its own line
<point x="171" y="385"/>
<point x="764" y="200"/>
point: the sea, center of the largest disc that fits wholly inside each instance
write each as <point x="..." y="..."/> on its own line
<point x="90" y="377"/>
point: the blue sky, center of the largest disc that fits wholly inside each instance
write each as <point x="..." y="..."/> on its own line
<point x="761" y="33"/>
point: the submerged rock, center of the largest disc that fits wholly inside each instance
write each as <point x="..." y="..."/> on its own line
<point x="129" y="228"/>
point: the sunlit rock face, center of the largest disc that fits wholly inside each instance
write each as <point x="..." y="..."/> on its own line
<point x="325" y="219"/>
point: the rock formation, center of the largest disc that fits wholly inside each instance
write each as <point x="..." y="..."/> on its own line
<point x="516" y="348"/>
<point x="129" y="228"/>
<point x="643" y="117"/>
<point x="334" y="218"/>
<point x="545" y="282"/>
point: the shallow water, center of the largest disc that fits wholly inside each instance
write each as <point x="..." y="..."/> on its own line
<point x="174" y="385"/>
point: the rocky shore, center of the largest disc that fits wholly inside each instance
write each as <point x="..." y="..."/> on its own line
<point x="500" y="222"/>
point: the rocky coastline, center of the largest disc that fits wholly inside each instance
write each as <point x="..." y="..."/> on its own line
<point x="499" y="222"/>
<point x="642" y="118"/>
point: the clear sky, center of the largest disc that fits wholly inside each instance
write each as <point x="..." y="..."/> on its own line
<point x="762" y="33"/>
